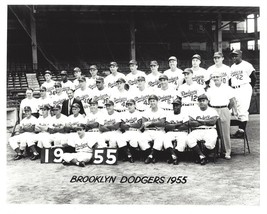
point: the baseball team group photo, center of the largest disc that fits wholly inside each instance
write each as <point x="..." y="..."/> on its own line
<point x="167" y="94"/>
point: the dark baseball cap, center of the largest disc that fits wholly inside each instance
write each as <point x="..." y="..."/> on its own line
<point x="113" y="64"/>
<point x="153" y="62"/>
<point x="121" y="80"/>
<point x="57" y="107"/>
<point x="46" y="107"/>
<point x="82" y="79"/>
<point x="188" y="70"/>
<point x="77" y="69"/>
<point x="99" y="79"/>
<point x="93" y="67"/>
<point x="109" y="103"/>
<point x="27" y="108"/>
<point x="133" y="62"/>
<point x="141" y="78"/>
<point x="196" y="56"/>
<point x="172" y="58"/>
<point x="93" y="101"/>
<point x="202" y="97"/>
<point x="63" y="73"/>
<point x="76" y="105"/>
<point x="236" y="52"/>
<point x="177" y="101"/>
<point x="153" y="97"/>
<point x="48" y="72"/>
<point x="58" y="84"/>
<point x="218" y="54"/>
<point x="163" y="76"/>
<point x="43" y="88"/>
<point x="130" y="101"/>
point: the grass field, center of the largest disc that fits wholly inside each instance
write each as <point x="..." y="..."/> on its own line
<point x="234" y="182"/>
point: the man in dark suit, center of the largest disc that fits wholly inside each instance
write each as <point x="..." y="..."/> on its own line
<point x="67" y="104"/>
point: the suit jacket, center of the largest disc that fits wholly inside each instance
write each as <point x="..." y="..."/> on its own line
<point x="65" y="105"/>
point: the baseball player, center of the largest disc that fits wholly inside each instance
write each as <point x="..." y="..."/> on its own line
<point x="28" y="101"/>
<point x="49" y="84"/>
<point x="111" y="79"/>
<point x="243" y="80"/>
<point x="153" y="77"/>
<point x="177" y="130"/>
<point x="221" y="97"/>
<point x="120" y="95"/>
<point x="140" y="94"/>
<point x="78" y="74"/>
<point x="43" y="100"/>
<point x="83" y="93"/>
<point x="202" y="122"/>
<point x="26" y="137"/>
<point x="42" y="125"/>
<point x="153" y="123"/>
<point x="166" y="93"/>
<point x="131" y="78"/>
<point x="101" y="93"/>
<point x="189" y="91"/>
<point x="174" y="74"/>
<point x="83" y="148"/>
<point x="60" y="95"/>
<point x="109" y="125"/>
<point x="91" y="84"/>
<point x="131" y="123"/>
<point x="57" y="127"/>
<point x="219" y="67"/>
<point x="66" y="84"/>
<point x="200" y="75"/>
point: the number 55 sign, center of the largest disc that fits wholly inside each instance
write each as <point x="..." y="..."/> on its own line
<point x="105" y="156"/>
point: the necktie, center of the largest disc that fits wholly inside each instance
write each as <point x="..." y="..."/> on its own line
<point x="69" y="107"/>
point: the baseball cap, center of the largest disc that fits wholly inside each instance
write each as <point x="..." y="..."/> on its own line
<point x="153" y="97"/>
<point x="42" y="88"/>
<point x="57" y="107"/>
<point x="196" y="56"/>
<point x="99" y="79"/>
<point x="121" y="80"/>
<point x="82" y="79"/>
<point x="141" y="78"/>
<point x="130" y="101"/>
<point x="218" y="54"/>
<point x="133" y="62"/>
<point x="48" y="72"/>
<point x="236" y="52"/>
<point x="77" y="69"/>
<point x="46" y="107"/>
<point x="93" y="101"/>
<point x="63" y="73"/>
<point x="76" y="105"/>
<point x="110" y="103"/>
<point x="163" y="76"/>
<point x="113" y="64"/>
<point x="172" y="58"/>
<point x="177" y="101"/>
<point x="58" y="84"/>
<point x="93" y="67"/>
<point x="202" y="97"/>
<point x="187" y="70"/>
<point x="27" y="108"/>
<point x="153" y="62"/>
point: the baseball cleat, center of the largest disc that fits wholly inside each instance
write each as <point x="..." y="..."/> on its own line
<point x="82" y="164"/>
<point x="169" y="161"/>
<point x="18" y="157"/>
<point x="176" y="162"/>
<point x="203" y="161"/>
<point x="131" y="160"/>
<point x="34" y="157"/>
<point x="148" y="160"/>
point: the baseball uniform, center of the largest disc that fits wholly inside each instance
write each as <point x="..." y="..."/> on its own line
<point x="76" y="82"/>
<point x="91" y="83"/>
<point x="84" y="97"/>
<point x="166" y="96"/>
<point x="200" y="76"/>
<point x="152" y="80"/>
<point x="131" y="78"/>
<point x="224" y="70"/>
<point x="58" y="98"/>
<point x="119" y="98"/>
<point x="175" y="78"/>
<point x="50" y="87"/>
<point x="33" y="103"/>
<point x="43" y="137"/>
<point x="59" y="137"/>
<point x="110" y="80"/>
<point x="101" y="96"/>
<point x="141" y="97"/>
<point x="67" y="85"/>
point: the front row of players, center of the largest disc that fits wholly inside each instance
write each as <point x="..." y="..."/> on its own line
<point x="128" y="131"/>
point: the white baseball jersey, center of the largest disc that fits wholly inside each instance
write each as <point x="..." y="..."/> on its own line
<point x="50" y="87"/>
<point x="33" y="103"/>
<point x="59" y="98"/>
<point x="220" y="96"/>
<point x="67" y="85"/>
<point x="97" y="117"/>
<point x="224" y="70"/>
<point x="101" y="96"/>
<point x="91" y="83"/>
<point x="41" y="121"/>
<point x="141" y="97"/>
<point x="75" y="120"/>
<point x="175" y="78"/>
<point x="166" y="97"/>
<point x="27" y="122"/>
<point x="108" y="120"/>
<point x="44" y="101"/>
<point x="62" y="120"/>
<point x="152" y="116"/>
<point x="110" y="80"/>
<point x="131" y="118"/>
<point x="76" y="82"/>
<point x="119" y="98"/>
<point x="200" y="76"/>
<point x="84" y="96"/>
<point x="152" y="80"/>
<point x="240" y="73"/>
<point x="190" y="93"/>
<point x="131" y="78"/>
<point x="175" y="118"/>
<point x="81" y="144"/>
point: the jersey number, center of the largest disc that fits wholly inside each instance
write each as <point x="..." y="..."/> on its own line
<point x="194" y="97"/>
<point x="105" y="156"/>
<point x="239" y="77"/>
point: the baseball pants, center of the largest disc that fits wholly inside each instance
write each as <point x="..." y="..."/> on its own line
<point x="156" y="135"/>
<point x="112" y="137"/>
<point x="134" y="138"/>
<point x="208" y="135"/>
<point x="59" y="139"/>
<point x="22" y="140"/>
<point x="95" y="137"/>
<point x="180" y="137"/>
<point x="80" y="156"/>
<point x="44" y="140"/>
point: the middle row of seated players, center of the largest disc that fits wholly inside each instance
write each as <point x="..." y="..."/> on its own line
<point x="109" y="129"/>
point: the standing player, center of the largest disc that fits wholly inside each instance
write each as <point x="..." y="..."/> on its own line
<point x="131" y="78"/>
<point x="153" y="122"/>
<point x="200" y="75"/>
<point x="131" y="123"/>
<point x="202" y="120"/>
<point x="91" y="84"/>
<point x="177" y="130"/>
<point x="59" y="96"/>
<point x="49" y="84"/>
<point x="111" y="79"/>
<point x="28" y="101"/>
<point x="219" y="67"/>
<point x="243" y="80"/>
<point x="189" y="91"/>
<point x="141" y="94"/>
<point x="153" y="77"/>
<point x="78" y="74"/>
<point x="43" y="100"/>
<point x="66" y="84"/>
<point x="83" y="93"/>
<point x="174" y="74"/>
<point x="166" y="93"/>
<point x="26" y="137"/>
